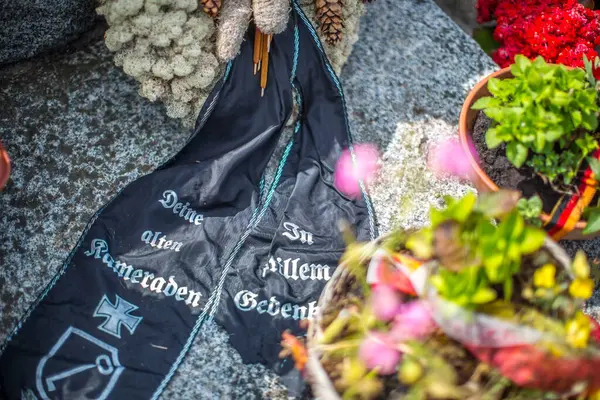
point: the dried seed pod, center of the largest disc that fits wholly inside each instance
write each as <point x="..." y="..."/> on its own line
<point x="271" y="16"/>
<point x="233" y="23"/>
<point x="211" y="7"/>
<point x="329" y="15"/>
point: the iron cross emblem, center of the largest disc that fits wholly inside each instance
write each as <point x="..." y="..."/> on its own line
<point x="117" y="315"/>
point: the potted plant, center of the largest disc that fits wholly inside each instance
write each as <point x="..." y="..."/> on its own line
<point x="533" y="127"/>
<point x="4" y="167"/>
<point x="462" y="309"/>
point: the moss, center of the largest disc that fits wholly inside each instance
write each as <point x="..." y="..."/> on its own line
<point x="412" y="180"/>
<point x="168" y="46"/>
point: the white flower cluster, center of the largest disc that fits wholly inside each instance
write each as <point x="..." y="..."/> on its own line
<point x="169" y="47"/>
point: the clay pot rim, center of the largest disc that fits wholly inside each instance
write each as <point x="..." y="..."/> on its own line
<point x="4" y="167"/>
<point x="465" y="134"/>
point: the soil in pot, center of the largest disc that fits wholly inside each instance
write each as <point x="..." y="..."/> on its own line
<point x="500" y="170"/>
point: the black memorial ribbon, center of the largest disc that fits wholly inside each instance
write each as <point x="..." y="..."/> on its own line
<point x="201" y="238"/>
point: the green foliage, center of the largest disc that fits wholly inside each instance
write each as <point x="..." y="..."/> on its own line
<point x="467" y="287"/>
<point x="484" y="36"/>
<point x="547" y="116"/>
<point x="531" y="209"/>
<point x="480" y="246"/>
<point x="439" y="380"/>
<point x="593" y="221"/>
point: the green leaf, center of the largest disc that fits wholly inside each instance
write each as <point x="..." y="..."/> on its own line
<point x="497" y="114"/>
<point x="492" y="265"/>
<point x="540" y="142"/>
<point x="494" y="86"/>
<point x="589" y="70"/>
<point x="576" y="117"/>
<point x="485" y="102"/>
<point x="594" y="165"/>
<point x="532" y="240"/>
<point x="593" y="222"/>
<point x="560" y="98"/>
<point x="439" y="283"/>
<point x="484" y="295"/>
<point x="462" y="209"/>
<point x="535" y="204"/>
<point x="516" y="153"/>
<point x="520" y="65"/>
<point x="491" y="138"/>
<point x="508" y="288"/>
<point x="484" y="36"/>
<point x="589" y="121"/>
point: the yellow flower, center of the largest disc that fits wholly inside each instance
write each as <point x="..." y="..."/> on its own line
<point x="580" y="266"/>
<point x="544" y="276"/>
<point x="594" y="396"/>
<point x="581" y="288"/>
<point x="578" y="330"/>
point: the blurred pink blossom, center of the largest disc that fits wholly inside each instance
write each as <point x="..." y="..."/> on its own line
<point x="376" y="351"/>
<point x="448" y="157"/>
<point x="385" y="302"/>
<point x="347" y="174"/>
<point x="413" y="321"/>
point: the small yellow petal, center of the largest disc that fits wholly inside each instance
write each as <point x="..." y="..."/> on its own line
<point x="580" y="266"/>
<point x="581" y="288"/>
<point x="545" y="276"/>
<point x="594" y="396"/>
<point x="578" y="330"/>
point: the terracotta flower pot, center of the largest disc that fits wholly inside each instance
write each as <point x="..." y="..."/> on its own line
<point x="481" y="180"/>
<point x="4" y="167"/>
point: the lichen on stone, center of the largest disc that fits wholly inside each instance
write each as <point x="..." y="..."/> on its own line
<point x="169" y="46"/>
<point x="406" y="187"/>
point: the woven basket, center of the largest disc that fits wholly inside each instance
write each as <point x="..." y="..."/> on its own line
<point x="317" y="377"/>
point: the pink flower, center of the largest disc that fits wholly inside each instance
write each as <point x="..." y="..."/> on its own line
<point x="413" y="321"/>
<point x="376" y="351"/>
<point x="449" y="157"/>
<point x="385" y="302"/>
<point x="348" y="174"/>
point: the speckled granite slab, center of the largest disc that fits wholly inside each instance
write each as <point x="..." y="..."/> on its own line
<point x="77" y="132"/>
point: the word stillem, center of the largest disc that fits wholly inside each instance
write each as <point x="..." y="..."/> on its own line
<point x="291" y="269"/>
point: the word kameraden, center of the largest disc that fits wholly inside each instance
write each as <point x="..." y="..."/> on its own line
<point x="151" y="238"/>
<point x="245" y="300"/>
<point x="183" y="210"/>
<point x="291" y="270"/>
<point x="145" y="279"/>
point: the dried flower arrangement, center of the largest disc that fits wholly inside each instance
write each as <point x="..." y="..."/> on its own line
<point x="478" y="305"/>
<point x="177" y="49"/>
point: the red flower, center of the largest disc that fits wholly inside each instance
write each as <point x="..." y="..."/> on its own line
<point x="595" y="333"/>
<point x="561" y="31"/>
<point x="531" y="367"/>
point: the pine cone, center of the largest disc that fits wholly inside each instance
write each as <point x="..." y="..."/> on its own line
<point x="329" y="15"/>
<point x="211" y="7"/>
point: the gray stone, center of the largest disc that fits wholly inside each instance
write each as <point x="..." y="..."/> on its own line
<point x="29" y="27"/>
<point x="77" y="132"/>
<point x="405" y="84"/>
<point x="463" y="12"/>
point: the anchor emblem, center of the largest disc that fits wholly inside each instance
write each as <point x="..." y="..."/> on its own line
<point x="78" y="366"/>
